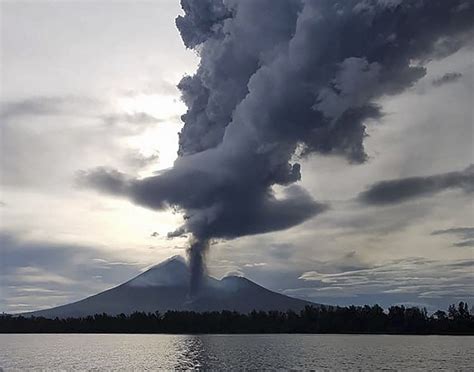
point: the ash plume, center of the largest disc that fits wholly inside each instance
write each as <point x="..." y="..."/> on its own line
<point x="278" y="77"/>
<point x="197" y="251"/>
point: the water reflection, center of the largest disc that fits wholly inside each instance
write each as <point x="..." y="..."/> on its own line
<point x="192" y="352"/>
<point x="234" y="352"/>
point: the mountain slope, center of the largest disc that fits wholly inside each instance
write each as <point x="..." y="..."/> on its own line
<point x="165" y="287"/>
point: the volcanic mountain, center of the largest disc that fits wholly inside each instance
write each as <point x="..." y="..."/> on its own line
<point x="166" y="287"/>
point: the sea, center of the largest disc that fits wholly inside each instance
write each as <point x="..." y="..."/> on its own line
<point x="139" y="352"/>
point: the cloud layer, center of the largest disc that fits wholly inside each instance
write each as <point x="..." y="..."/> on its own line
<point x="39" y="274"/>
<point x="428" y="279"/>
<point x="405" y="189"/>
<point x="465" y="233"/>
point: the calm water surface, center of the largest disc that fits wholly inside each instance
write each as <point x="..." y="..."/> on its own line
<point x="151" y="352"/>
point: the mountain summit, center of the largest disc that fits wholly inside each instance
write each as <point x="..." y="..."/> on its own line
<point x="166" y="287"/>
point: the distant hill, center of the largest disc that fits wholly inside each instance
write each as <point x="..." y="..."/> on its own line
<point x="166" y="287"/>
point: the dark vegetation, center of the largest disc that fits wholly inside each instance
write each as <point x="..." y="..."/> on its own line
<point x="324" y="319"/>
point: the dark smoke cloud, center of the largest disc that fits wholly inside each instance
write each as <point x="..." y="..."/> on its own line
<point x="237" y="211"/>
<point x="405" y="189"/>
<point x="278" y="77"/>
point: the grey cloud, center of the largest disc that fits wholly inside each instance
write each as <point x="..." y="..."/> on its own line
<point x="43" y="105"/>
<point x="464" y="5"/>
<point x="465" y="243"/>
<point x="33" y="106"/>
<point x="104" y="179"/>
<point x="306" y="76"/>
<point x="447" y="78"/>
<point x="137" y="160"/>
<point x="405" y="189"/>
<point x="281" y="251"/>
<point x="178" y="233"/>
<point x="349" y="279"/>
<point x="154" y="87"/>
<point x="78" y="106"/>
<point x="351" y="220"/>
<point x="54" y="257"/>
<point x="40" y="131"/>
<point x="465" y="233"/>
<point x="349" y="261"/>
<point x="47" y="274"/>
<point x="135" y="118"/>
<point x="461" y="264"/>
<point x="423" y="277"/>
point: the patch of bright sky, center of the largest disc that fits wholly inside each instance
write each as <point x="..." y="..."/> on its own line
<point x="126" y="56"/>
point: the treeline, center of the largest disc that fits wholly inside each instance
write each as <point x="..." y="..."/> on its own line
<point x="353" y="319"/>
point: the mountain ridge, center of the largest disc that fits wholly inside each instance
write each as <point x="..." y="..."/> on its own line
<point x="165" y="286"/>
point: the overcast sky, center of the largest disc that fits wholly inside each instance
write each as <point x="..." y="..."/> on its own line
<point x="89" y="84"/>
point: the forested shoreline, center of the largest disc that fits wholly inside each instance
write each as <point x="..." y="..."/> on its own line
<point x="323" y="319"/>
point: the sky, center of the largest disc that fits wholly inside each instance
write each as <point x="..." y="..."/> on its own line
<point x="89" y="99"/>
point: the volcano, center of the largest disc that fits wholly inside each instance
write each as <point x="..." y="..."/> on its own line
<point x="166" y="287"/>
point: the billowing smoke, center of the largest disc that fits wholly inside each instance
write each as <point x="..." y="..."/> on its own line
<point x="197" y="255"/>
<point x="279" y="78"/>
